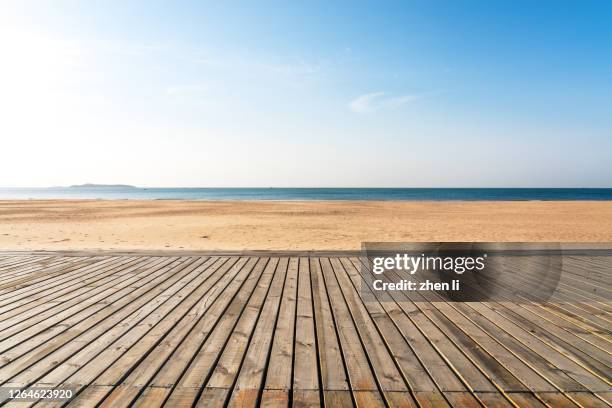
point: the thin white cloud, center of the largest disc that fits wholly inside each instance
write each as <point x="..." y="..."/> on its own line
<point x="376" y="101"/>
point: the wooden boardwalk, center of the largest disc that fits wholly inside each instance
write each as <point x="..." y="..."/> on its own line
<point x="223" y="330"/>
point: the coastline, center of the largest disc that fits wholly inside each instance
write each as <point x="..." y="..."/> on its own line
<point x="309" y="193"/>
<point x="32" y="225"/>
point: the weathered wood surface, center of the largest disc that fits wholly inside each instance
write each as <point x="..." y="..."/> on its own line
<point x="238" y="330"/>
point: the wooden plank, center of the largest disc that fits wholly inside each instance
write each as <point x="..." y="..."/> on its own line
<point x="28" y="265"/>
<point x="69" y="318"/>
<point x="279" y="374"/>
<point x="24" y="303"/>
<point x="455" y="343"/>
<point x="26" y="312"/>
<point x="114" y="398"/>
<point x="331" y="362"/>
<point x="36" y="353"/>
<point x="581" y="319"/>
<point x="213" y="397"/>
<point x="24" y="317"/>
<point x="192" y="331"/>
<point x="20" y="276"/>
<point x="526" y="277"/>
<point x="150" y="397"/>
<point x="557" y="399"/>
<point x="306" y="398"/>
<point x="79" y="353"/>
<point x="360" y="374"/>
<point x="188" y="387"/>
<point x="11" y="303"/>
<point x="40" y="273"/>
<point x="305" y="362"/>
<point x="485" y="316"/>
<point x="6" y="261"/>
<point x="462" y="399"/>
<point x="605" y="396"/>
<point x="37" y="298"/>
<point x="400" y="399"/>
<point x="583" y="267"/>
<point x="170" y="336"/>
<point x="428" y="399"/>
<point x="368" y="399"/>
<point x="275" y="398"/>
<point x="218" y="320"/>
<point x="569" y="292"/>
<point x="92" y="392"/>
<point x="554" y="377"/>
<point x="170" y="347"/>
<point x="574" y="370"/>
<point x="519" y="367"/>
<point x="430" y="364"/>
<point x="54" y="324"/>
<point x="587" y="399"/>
<point x="523" y="399"/>
<point x="151" y="346"/>
<point x="387" y="350"/>
<point x="493" y="399"/>
<point x="513" y="348"/>
<point x="253" y="369"/>
<point x="584" y="334"/>
<point x="234" y="353"/>
<point x="337" y="399"/>
<point x="384" y="369"/>
<point x="47" y="277"/>
<point x="587" y="353"/>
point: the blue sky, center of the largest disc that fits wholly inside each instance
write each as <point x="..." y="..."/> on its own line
<point x="407" y="94"/>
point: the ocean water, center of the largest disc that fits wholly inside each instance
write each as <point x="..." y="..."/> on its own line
<point x="405" y="194"/>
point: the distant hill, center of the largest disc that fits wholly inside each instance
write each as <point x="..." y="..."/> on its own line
<point x="90" y="185"/>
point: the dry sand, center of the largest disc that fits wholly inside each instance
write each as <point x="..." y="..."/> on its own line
<point x="304" y="225"/>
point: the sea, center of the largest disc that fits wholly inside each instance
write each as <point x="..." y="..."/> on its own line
<point x="401" y="194"/>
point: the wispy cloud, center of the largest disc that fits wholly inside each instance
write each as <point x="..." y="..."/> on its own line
<point x="376" y="101"/>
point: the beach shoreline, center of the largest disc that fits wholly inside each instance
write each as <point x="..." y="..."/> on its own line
<point x="291" y="225"/>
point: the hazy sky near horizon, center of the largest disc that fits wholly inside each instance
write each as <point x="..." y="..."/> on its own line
<point x="404" y="94"/>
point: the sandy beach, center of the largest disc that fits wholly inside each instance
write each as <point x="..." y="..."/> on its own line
<point x="305" y="225"/>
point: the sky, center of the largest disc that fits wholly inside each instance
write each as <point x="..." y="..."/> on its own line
<point x="306" y="94"/>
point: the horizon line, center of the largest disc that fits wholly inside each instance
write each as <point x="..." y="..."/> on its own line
<point x="128" y="186"/>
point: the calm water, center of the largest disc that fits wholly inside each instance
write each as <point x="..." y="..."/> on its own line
<point x="437" y="194"/>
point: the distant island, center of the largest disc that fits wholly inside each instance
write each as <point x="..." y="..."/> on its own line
<point x="91" y="185"/>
